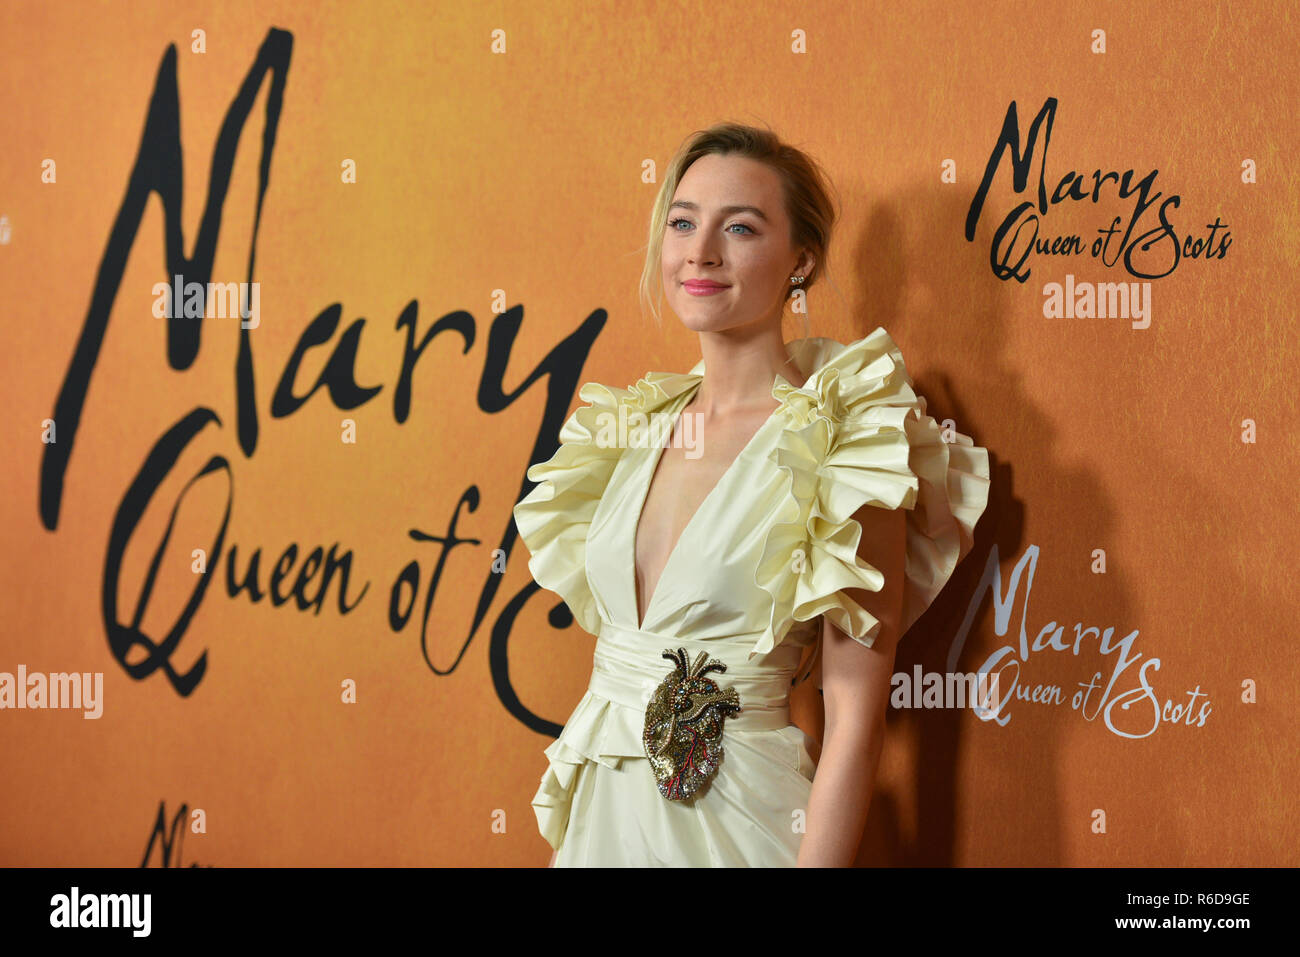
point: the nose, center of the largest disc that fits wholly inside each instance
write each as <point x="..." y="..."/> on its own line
<point x="703" y="250"/>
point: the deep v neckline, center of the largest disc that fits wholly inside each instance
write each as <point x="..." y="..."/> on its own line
<point x="648" y="480"/>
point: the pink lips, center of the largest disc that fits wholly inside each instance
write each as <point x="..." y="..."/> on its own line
<point x="702" y="287"/>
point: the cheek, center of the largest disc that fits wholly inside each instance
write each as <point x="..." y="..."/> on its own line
<point x="669" y="269"/>
<point x="762" y="274"/>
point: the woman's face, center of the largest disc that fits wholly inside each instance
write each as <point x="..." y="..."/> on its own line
<point x="727" y="225"/>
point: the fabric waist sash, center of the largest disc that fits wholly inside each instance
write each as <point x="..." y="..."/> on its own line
<point x="629" y="664"/>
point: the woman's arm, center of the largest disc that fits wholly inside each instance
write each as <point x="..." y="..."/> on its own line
<point x="551" y="863"/>
<point x="855" y="686"/>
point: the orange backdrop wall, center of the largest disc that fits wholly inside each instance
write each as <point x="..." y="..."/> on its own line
<point x="287" y="547"/>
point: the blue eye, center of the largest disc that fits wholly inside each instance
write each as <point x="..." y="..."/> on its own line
<point x="673" y="223"/>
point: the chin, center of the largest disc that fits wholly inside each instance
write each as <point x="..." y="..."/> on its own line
<point x="698" y="318"/>
<point x="702" y="316"/>
<point x="697" y="321"/>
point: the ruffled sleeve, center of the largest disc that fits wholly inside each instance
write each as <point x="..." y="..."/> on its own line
<point x="857" y="434"/>
<point x="553" y="518"/>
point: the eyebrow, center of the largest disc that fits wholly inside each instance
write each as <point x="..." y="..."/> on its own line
<point x="726" y="210"/>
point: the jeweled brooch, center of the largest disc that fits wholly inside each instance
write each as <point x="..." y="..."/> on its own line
<point x="683" y="725"/>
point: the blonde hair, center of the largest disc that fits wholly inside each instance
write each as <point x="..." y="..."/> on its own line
<point x="807" y="189"/>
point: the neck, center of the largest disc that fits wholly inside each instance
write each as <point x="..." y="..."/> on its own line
<point x="740" y="367"/>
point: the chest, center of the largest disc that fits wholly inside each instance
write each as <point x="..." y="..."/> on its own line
<point x="693" y="467"/>
<point x="677" y="536"/>
<point x="677" y="486"/>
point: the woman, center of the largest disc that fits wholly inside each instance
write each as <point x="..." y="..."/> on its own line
<point x="804" y="499"/>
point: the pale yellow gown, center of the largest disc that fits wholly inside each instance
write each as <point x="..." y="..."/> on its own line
<point x="769" y="551"/>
